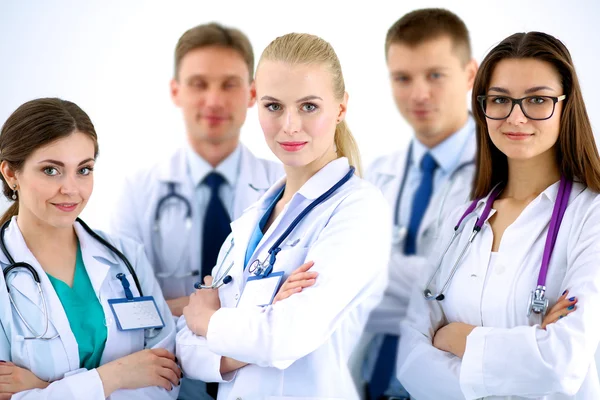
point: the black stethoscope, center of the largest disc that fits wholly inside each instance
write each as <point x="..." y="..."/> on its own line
<point x="15" y="265"/>
<point x="264" y="268"/>
<point x="399" y="233"/>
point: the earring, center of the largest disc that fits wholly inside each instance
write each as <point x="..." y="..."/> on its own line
<point x="14" y="195"/>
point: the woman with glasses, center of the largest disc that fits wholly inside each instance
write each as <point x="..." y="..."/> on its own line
<point x="511" y="307"/>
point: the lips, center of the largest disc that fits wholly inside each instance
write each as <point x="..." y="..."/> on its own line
<point x="517" y="135"/>
<point x="292" y="146"/>
<point x="65" y="207"/>
<point x="214" y="119"/>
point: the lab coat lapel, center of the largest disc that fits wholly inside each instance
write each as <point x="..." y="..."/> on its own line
<point x="389" y="177"/>
<point x="252" y="181"/>
<point x="95" y="258"/>
<point x="24" y="283"/>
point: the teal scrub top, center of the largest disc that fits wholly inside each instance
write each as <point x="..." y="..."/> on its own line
<point x="85" y="314"/>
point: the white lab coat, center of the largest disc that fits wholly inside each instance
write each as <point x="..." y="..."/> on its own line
<point x="58" y="359"/>
<point x="386" y="173"/>
<point x="508" y="355"/>
<point x="135" y="215"/>
<point x="299" y="347"/>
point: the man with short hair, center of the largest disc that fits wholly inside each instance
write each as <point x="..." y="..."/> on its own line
<point x="428" y="55"/>
<point x="181" y="208"/>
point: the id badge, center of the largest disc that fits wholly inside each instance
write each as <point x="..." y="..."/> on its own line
<point x="137" y="313"/>
<point x="260" y="291"/>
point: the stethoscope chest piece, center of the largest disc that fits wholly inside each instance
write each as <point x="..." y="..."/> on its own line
<point x="538" y="303"/>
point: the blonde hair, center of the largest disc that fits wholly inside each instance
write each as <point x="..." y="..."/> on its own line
<point x="302" y="48"/>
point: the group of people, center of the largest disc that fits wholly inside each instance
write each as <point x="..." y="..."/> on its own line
<point x="463" y="267"/>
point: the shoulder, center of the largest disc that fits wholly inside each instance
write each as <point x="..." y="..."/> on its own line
<point x="363" y="197"/>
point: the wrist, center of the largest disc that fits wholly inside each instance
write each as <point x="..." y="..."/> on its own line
<point x="206" y="321"/>
<point x="110" y="377"/>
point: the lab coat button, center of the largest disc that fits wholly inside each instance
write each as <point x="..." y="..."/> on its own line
<point x="237" y="296"/>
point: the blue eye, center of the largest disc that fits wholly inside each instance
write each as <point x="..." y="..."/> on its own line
<point x="309" y="107"/>
<point x="86" y="171"/>
<point x="273" y="107"/>
<point x="50" y="171"/>
<point x="435" y="75"/>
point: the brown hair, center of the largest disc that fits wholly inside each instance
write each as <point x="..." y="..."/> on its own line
<point x="302" y="48"/>
<point x="420" y="26"/>
<point x="576" y="152"/>
<point x="214" y="34"/>
<point x="36" y="124"/>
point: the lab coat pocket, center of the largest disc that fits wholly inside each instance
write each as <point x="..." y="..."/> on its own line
<point x="37" y="352"/>
<point x="290" y="258"/>
<point x="117" y="287"/>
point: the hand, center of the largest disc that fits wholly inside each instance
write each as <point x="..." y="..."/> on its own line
<point x="298" y="280"/>
<point x="15" y="379"/>
<point x="176" y="305"/>
<point x="151" y="367"/>
<point x="453" y="338"/>
<point x="563" y="307"/>
<point x="203" y="304"/>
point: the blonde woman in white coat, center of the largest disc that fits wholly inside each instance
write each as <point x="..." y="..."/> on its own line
<point x="298" y="347"/>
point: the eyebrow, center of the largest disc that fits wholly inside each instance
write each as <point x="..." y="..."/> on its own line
<point x="223" y="77"/>
<point x="62" y="164"/>
<point x="306" y="98"/>
<point x="528" y="91"/>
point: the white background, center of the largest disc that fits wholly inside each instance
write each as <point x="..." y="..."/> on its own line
<point x="114" y="59"/>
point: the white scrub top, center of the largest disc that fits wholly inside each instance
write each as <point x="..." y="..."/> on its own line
<point x="57" y="360"/>
<point x="508" y="355"/>
<point x="299" y="347"/>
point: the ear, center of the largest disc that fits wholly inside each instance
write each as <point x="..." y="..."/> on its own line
<point x="343" y="108"/>
<point x="471" y="69"/>
<point x="174" y="89"/>
<point x="9" y="174"/>
<point x="252" y="100"/>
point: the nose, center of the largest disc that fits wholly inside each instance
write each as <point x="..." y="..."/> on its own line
<point x="292" y="123"/>
<point x="516" y="116"/>
<point x="420" y="91"/>
<point x="69" y="185"/>
<point x="214" y="98"/>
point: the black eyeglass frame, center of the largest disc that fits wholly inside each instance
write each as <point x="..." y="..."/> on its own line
<point x="555" y="99"/>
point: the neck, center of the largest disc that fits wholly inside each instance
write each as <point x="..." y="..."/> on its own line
<point x="296" y="177"/>
<point x="214" y="153"/>
<point x="528" y="178"/>
<point x="43" y="239"/>
<point x="431" y="141"/>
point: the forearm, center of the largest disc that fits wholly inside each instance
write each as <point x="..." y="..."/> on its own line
<point x="229" y="365"/>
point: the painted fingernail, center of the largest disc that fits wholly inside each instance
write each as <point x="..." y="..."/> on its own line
<point x="572" y="298"/>
<point x="2" y="361"/>
<point x="564" y="293"/>
<point x="571" y="307"/>
<point x="560" y="316"/>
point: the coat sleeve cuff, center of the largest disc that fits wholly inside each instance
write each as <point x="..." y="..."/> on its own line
<point x="86" y="383"/>
<point x="472" y="381"/>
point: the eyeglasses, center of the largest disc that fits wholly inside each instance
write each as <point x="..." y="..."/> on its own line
<point x="536" y="108"/>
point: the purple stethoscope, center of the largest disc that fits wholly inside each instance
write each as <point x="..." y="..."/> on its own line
<point x="538" y="303"/>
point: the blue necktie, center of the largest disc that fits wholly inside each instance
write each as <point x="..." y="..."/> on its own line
<point x="420" y="203"/>
<point x="216" y="224"/>
<point x="386" y="359"/>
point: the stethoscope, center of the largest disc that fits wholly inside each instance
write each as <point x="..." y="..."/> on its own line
<point x="15" y="265"/>
<point x="400" y="231"/>
<point x="263" y="269"/>
<point x="538" y="303"/>
<point x="187" y="205"/>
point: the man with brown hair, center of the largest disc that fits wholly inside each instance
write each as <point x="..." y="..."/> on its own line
<point x="181" y="208"/>
<point x="428" y="54"/>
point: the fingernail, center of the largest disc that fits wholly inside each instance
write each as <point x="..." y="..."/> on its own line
<point x="2" y="361"/>
<point x="176" y="360"/>
<point x="560" y="316"/>
<point x="572" y="298"/>
<point x="564" y="292"/>
<point x="571" y="307"/>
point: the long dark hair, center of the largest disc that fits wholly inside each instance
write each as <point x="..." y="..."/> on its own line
<point x="576" y="152"/>
<point x="35" y="124"/>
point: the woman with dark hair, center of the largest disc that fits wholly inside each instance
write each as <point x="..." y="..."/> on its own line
<point x="73" y="324"/>
<point x="511" y="306"/>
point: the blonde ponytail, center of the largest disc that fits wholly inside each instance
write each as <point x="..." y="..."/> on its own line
<point x="347" y="147"/>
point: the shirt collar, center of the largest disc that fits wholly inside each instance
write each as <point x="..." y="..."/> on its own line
<point x="447" y="154"/>
<point x="198" y="168"/>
